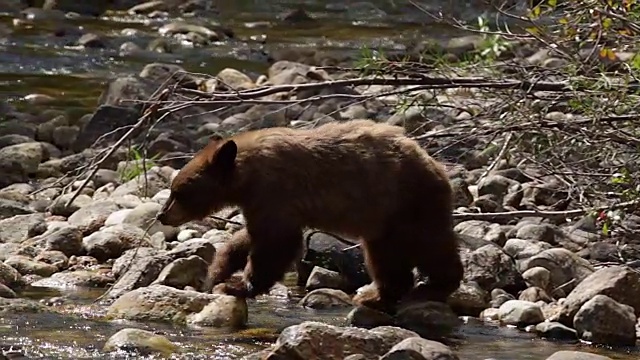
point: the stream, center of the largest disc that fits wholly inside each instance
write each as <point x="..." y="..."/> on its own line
<point x="35" y="61"/>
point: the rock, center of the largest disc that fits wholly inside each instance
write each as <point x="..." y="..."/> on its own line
<point x="490" y="267"/>
<point x="417" y="348"/>
<point x="27" y="266"/>
<point x="368" y="318"/>
<point x="326" y="298"/>
<point x="537" y="276"/>
<point x="9" y="208"/>
<point x="602" y="320"/>
<point x="520" y="313"/>
<point x="232" y="79"/>
<point x="160" y="303"/>
<point x="534" y="294"/>
<point x="555" y="330"/>
<point x="10" y="276"/>
<point x="490" y="314"/>
<point x="315" y="340"/>
<point x="27" y="155"/>
<point x="113" y="241"/>
<point x="323" y="278"/>
<point x="198" y="247"/>
<point x="19" y="228"/>
<point x="109" y="119"/>
<point x="469" y="299"/>
<point x="76" y="279"/>
<point x="144" y="217"/>
<point x="59" y="206"/>
<point x="223" y="311"/>
<point x="6" y="292"/>
<point x="137" y="268"/>
<point x="482" y="229"/>
<point x="576" y="355"/>
<point x="190" y="271"/>
<point x="91" y="40"/>
<point x="20" y="306"/>
<point x="620" y="283"/>
<point x="143" y="185"/>
<point x="140" y="342"/>
<point x="55" y="258"/>
<point x="325" y="251"/>
<point x="565" y="267"/>
<point x="90" y="218"/>
<point x="523" y="249"/>
<point x="427" y="318"/>
<point x="66" y="239"/>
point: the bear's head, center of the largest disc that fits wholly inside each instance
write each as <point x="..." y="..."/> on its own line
<point x="202" y="185"/>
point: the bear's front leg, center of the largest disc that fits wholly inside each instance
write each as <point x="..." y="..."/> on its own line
<point x="273" y="250"/>
<point x="231" y="257"/>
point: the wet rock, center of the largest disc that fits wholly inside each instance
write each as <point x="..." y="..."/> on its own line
<point x="223" y="311"/>
<point x="315" y="340"/>
<point x="20" y="306"/>
<point x="427" y="318"/>
<point x="6" y="292"/>
<point x="326" y="298"/>
<point x="323" y="278"/>
<point x="113" y="241"/>
<point x="602" y="320"/>
<point x="620" y="283"/>
<point x="160" y="303"/>
<point x="520" y="313"/>
<point x="10" y="276"/>
<point x="555" y="330"/>
<point x="190" y="271"/>
<point x="368" y="318"/>
<point x="27" y="266"/>
<point x="84" y="8"/>
<point x="90" y="218"/>
<point x="136" y="268"/>
<point x="92" y="40"/>
<point x="576" y="355"/>
<point x="19" y="228"/>
<point x="419" y="349"/>
<point x="76" y="279"/>
<point x="140" y="342"/>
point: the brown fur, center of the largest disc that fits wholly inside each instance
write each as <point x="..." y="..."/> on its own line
<point x="359" y="178"/>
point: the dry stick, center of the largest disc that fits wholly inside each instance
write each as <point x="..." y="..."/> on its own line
<point x="115" y="146"/>
<point x="495" y="162"/>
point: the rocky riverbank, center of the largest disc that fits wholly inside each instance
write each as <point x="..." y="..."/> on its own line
<point x="66" y="239"/>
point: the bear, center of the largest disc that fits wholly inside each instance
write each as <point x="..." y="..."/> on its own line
<point x="358" y="178"/>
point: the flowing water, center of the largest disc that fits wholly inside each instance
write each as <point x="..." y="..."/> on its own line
<point x="33" y="60"/>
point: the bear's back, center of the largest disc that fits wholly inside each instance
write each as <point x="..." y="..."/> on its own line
<point x="333" y="176"/>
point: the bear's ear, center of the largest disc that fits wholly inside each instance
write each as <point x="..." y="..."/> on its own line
<point x="226" y="155"/>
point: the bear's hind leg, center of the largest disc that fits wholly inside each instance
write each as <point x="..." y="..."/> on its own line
<point x="231" y="257"/>
<point x="439" y="260"/>
<point x="273" y="251"/>
<point x="390" y="268"/>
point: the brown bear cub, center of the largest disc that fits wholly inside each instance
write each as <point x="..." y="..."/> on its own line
<point x="359" y="179"/>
